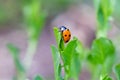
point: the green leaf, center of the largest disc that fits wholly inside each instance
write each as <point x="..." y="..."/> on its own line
<point x="96" y="3"/>
<point x="72" y="59"/>
<point x="13" y="50"/>
<point x="69" y="51"/>
<point x="107" y="6"/>
<point x="106" y="77"/>
<point x="15" y="54"/>
<point x="108" y="64"/>
<point x="38" y="77"/>
<point x="100" y="18"/>
<point x="104" y="10"/>
<point x="102" y="56"/>
<point x="117" y="71"/>
<point x="67" y="55"/>
<point x="102" y="48"/>
<point x="80" y="51"/>
<point x="75" y="66"/>
<point x="57" y="35"/>
<point x="59" y="39"/>
<point x="56" y="60"/>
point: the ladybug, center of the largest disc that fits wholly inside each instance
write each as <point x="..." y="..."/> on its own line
<point x="66" y="34"/>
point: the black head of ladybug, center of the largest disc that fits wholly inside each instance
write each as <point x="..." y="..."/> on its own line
<point x="62" y="28"/>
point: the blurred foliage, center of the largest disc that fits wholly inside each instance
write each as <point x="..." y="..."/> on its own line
<point x="106" y="77"/>
<point x="15" y="52"/>
<point x="104" y="10"/>
<point x="53" y="7"/>
<point x="34" y="20"/>
<point x="101" y="49"/>
<point x="3" y="15"/>
<point x="116" y="13"/>
<point x="34" y="13"/>
<point x="11" y="10"/>
<point x="38" y="77"/>
<point x="117" y="71"/>
<point x="102" y="57"/>
<point x="102" y="53"/>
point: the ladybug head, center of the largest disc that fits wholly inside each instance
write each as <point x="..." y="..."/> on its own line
<point x="62" y="28"/>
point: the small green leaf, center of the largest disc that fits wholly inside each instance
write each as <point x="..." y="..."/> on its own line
<point x="102" y="56"/>
<point x="38" y="77"/>
<point x="19" y="65"/>
<point x="96" y="3"/>
<point x="106" y="77"/>
<point x="69" y="51"/>
<point x="57" y="35"/>
<point x="101" y="49"/>
<point x="108" y="64"/>
<point x="117" y="71"/>
<point x="104" y="10"/>
<point x="100" y="18"/>
<point x="15" y="54"/>
<point x="80" y="51"/>
<point x="75" y="66"/>
<point x="59" y="72"/>
<point x="56" y="60"/>
<point x="59" y="39"/>
<point x="13" y="50"/>
<point x="67" y="55"/>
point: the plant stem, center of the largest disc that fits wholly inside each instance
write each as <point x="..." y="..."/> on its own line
<point x="96" y="72"/>
<point x="101" y="33"/>
<point x="21" y="74"/>
<point x="32" y="46"/>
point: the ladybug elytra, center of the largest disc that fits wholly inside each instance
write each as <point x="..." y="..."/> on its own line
<point x="66" y="34"/>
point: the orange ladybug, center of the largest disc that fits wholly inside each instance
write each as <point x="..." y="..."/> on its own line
<point x="66" y="34"/>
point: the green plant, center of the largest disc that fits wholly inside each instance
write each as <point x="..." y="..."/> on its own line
<point x="34" y="19"/>
<point x="101" y="56"/>
<point x="104" y="10"/>
<point x="102" y="53"/>
<point x="69" y="54"/>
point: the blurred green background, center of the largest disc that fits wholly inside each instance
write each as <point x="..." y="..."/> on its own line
<point x="23" y="22"/>
<point x="11" y="10"/>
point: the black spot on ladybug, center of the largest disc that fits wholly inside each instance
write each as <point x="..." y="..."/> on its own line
<point x="65" y="35"/>
<point x="67" y="41"/>
<point x="69" y="35"/>
<point x="67" y="29"/>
